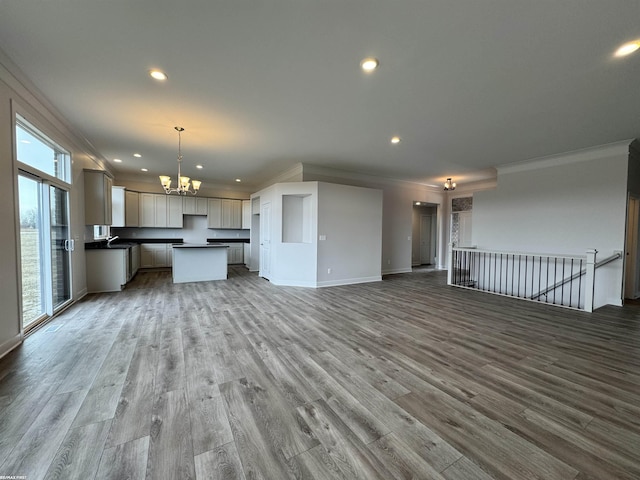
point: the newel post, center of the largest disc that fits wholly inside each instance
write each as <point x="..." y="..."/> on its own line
<point x="590" y="280"/>
<point x="450" y="269"/>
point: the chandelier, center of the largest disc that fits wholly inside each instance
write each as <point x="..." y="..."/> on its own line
<point x="184" y="186"/>
<point x="449" y="185"/>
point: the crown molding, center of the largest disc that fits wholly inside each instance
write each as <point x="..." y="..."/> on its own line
<point x="574" y="156"/>
<point x="283" y="176"/>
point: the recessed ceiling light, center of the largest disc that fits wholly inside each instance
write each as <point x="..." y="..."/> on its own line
<point x="199" y="167"/>
<point x="144" y="169"/>
<point x="117" y="160"/>
<point x="369" y="64"/>
<point x="137" y="155"/>
<point x="238" y="180"/>
<point x="158" y="74"/>
<point x="628" y="48"/>
<point x="395" y="139"/>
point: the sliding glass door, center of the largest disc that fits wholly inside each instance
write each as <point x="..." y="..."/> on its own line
<point x="61" y="245"/>
<point x="31" y="257"/>
<point x="45" y="236"/>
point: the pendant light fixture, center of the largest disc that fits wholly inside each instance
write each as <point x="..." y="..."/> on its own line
<point x="184" y="183"/>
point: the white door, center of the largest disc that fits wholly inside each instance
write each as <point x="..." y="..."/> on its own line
<point x="265" y="240"/>
<point x="425" y="239"/>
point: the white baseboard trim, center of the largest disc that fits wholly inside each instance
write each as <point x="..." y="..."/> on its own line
<point x="291" y="283"/>
<point x="393" y="271"/>
<point x="349" y="281"/>
<point x="81" y="294"/>
<point x="10" y="345"/>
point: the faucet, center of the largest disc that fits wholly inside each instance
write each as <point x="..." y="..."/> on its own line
<point x="111" y="239"/>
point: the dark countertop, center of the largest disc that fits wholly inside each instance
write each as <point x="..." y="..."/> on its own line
<point x="200" y="245"/>
<point x="128" y="242"/>
<point x="229" y="240"/>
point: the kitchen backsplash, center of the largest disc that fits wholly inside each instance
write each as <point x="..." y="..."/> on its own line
<point x="194" y="230"/>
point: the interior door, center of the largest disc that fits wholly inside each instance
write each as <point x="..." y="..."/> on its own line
<point x="265" y="240"/>
<point x="425" y="239"/>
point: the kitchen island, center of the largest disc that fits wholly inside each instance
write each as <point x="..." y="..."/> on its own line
<point x="194" y="262"/>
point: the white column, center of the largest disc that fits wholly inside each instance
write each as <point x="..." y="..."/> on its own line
<point x="589" y="283"/>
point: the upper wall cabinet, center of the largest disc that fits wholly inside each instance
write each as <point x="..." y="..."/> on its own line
<point x="125" y="212"/>
<point x="214" y="214"/>
<point x="246" y="214"/>
<point x="231" y="213"/>
<point x="160" y="211"/>
<point x="194" y="205"/>
<point x="97" y="197"/>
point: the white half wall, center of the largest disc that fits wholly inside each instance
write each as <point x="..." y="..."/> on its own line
<point x="566" y="204"/>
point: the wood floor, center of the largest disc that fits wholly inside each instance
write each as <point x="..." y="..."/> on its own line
<point x="405" y="378"/>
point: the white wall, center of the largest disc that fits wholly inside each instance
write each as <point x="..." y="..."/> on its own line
<point x="397" y="213"/>
<point x="564" y="204"/>
<point x="350" y="219"/>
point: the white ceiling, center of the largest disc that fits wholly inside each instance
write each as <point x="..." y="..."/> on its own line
<point x="260" y="86"/>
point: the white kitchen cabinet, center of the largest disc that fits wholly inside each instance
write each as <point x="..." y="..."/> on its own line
<point x="189" y="205"/>
<point x="214" y="213"/>
<point x="174" y="212"/>
<point x="147" y="210"/>
<point x="202" y="205"/>
<point x="155" y="255"/>
<point x="231" y="213"/>
<point x="131" y="209"/>
<point x="160" y="211"/>
<point x="107" y="269"/>
<point x="125" y="207"/>
<point x="235" y="253"/>
<point x="97" y="197"/>
<point x="195" y="205"/>
<point x="246" y="214"/>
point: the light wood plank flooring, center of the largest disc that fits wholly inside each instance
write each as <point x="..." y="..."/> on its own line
<point x="400" y="379"/>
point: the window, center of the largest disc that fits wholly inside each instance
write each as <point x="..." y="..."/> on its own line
<point x="100" y="232"/>
<point x="37" y="151"/>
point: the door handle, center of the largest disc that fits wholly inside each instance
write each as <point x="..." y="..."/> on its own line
<point x="66" y="245"/>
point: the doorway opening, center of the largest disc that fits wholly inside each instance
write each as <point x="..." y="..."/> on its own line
<point x="424" y="245"/>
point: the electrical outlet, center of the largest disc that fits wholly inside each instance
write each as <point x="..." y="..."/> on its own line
<point x="329" y="271"/>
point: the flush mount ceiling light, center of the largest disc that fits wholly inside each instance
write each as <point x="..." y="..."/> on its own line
<point x="368" y="65"/>
<point x="137" y="155"/>
<point x="144" y="169"/>
<point x="395" y="140"/>
<point x="158" y="74"/>
<point x="449" y="185"/>
<point x="627" y="48"/>
<point x="183" y="182"/>
<point x="199" y="167"/>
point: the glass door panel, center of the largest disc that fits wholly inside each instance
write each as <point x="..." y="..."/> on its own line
<point x="60" y="246"/>
<point x="31" y="241"/>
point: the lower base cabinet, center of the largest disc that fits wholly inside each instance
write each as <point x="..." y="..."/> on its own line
<point x="155" y="255"/>
<point x="107" y="269"/>
<point x="235" y="253"/>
